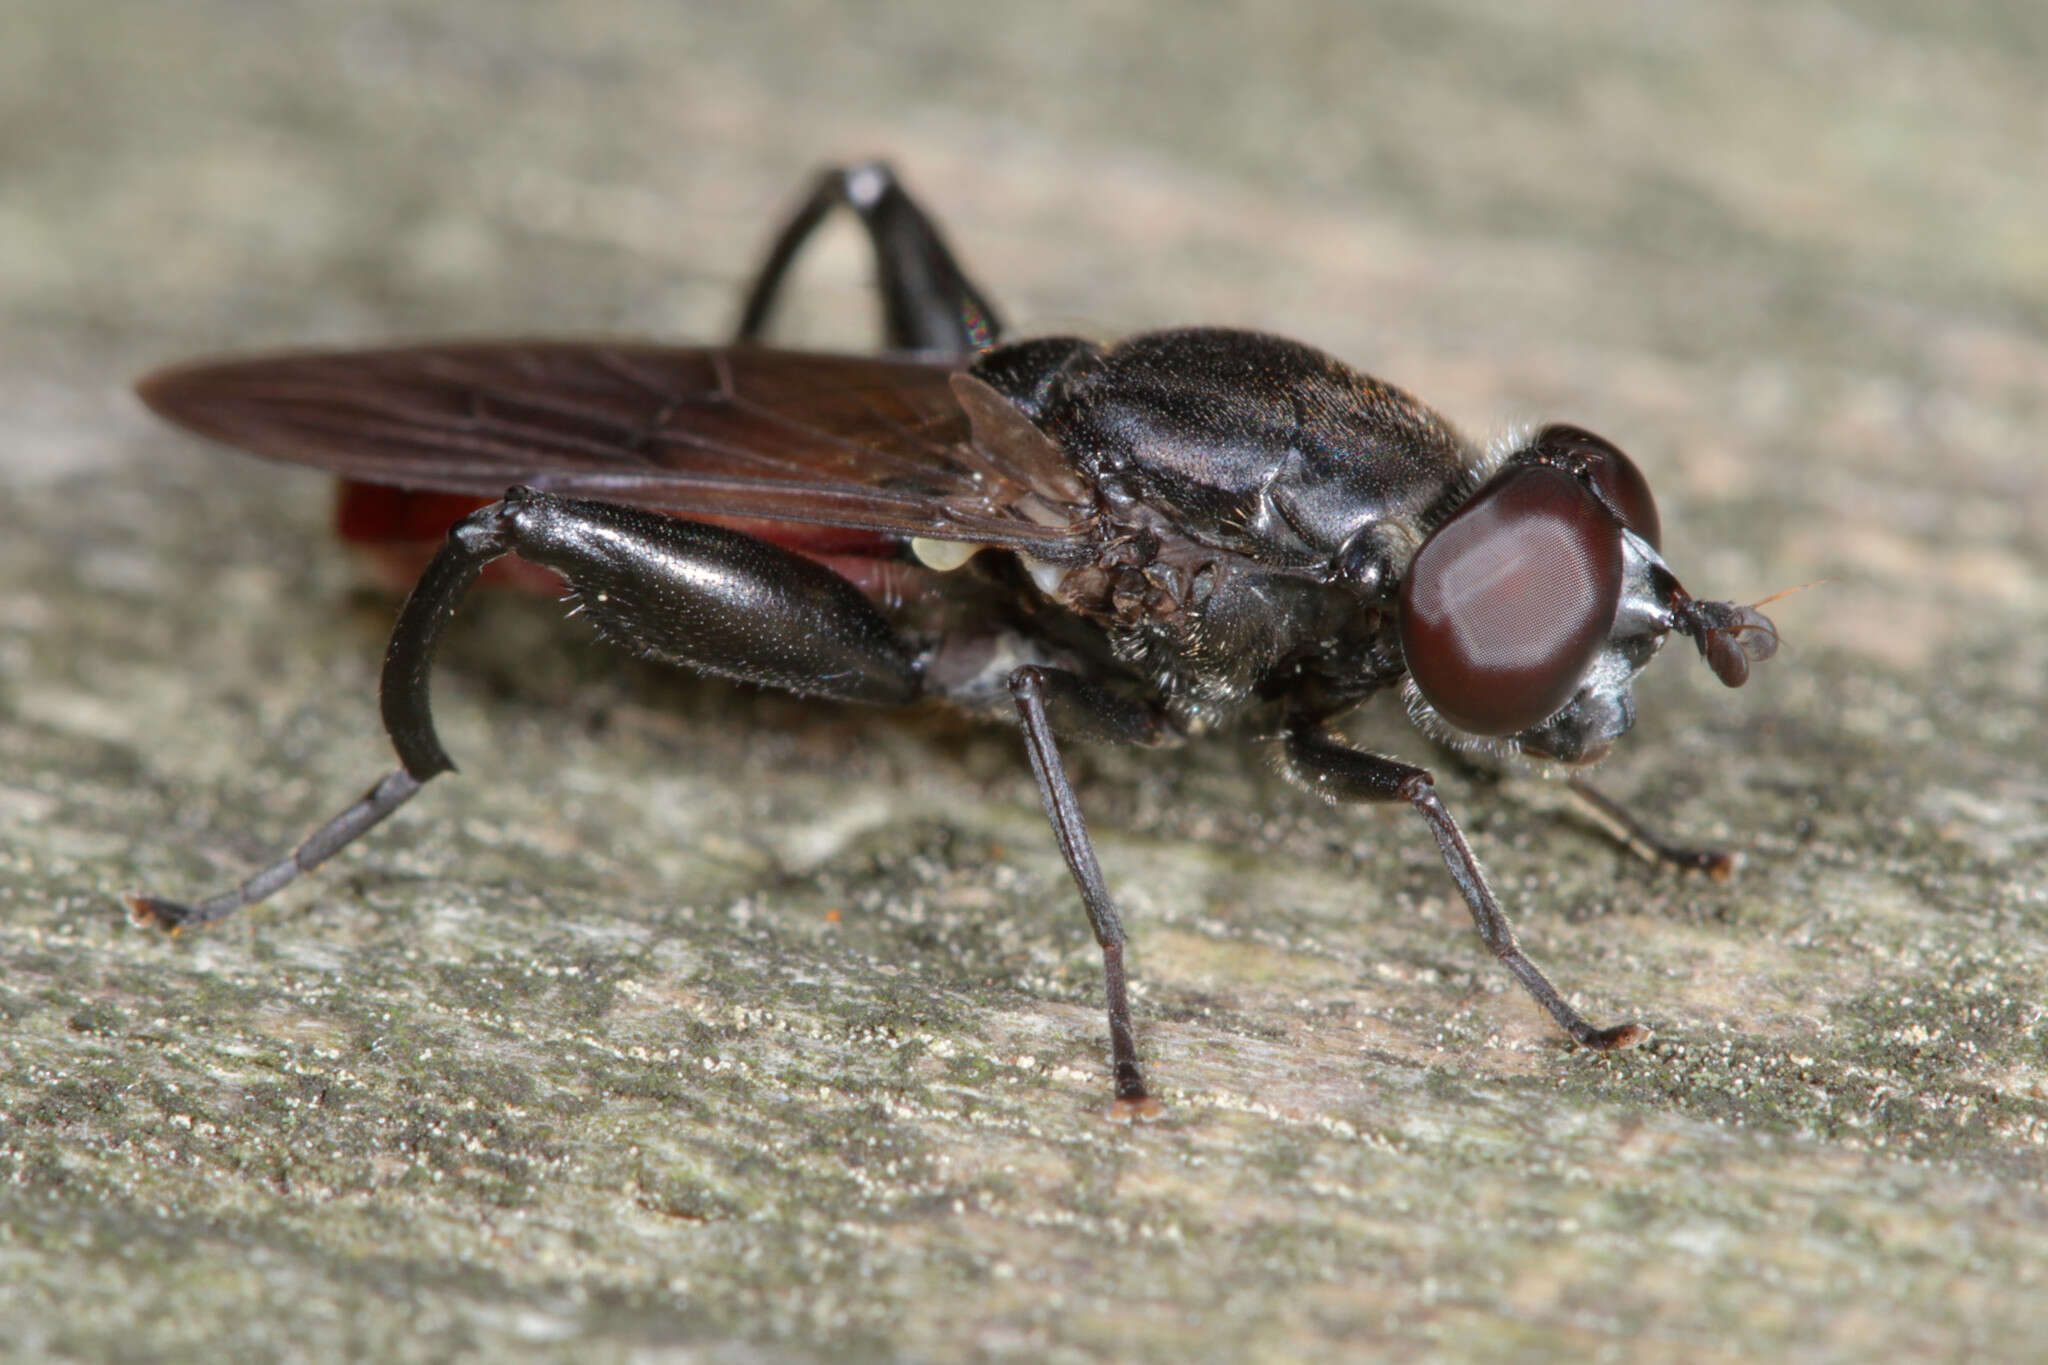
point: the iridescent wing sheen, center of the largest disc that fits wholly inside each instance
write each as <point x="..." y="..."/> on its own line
<point x="873" y="443"/>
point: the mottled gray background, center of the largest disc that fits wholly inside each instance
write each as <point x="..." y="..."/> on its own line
<point x="693" y="1024"/>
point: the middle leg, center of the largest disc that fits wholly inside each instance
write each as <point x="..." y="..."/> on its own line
<point x="1084" y="711"/>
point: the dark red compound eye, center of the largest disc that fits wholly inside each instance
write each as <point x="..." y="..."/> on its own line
<point x="1505" y="606"/>
<point x="1614" y="477"/>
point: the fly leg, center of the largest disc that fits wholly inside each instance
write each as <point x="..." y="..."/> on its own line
<point x="684" y="593"/>
<point x="928" y="303"/>
<point x="1341" y="773"/>
<point x="1645" y="842"/>
<point x="1616" y="822"/>
<point x="1050" y="699"/>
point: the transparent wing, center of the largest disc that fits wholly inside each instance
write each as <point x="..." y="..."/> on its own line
<point x="874" y="443"/>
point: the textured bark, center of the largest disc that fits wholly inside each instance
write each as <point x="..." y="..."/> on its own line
<point x="688" y="1023"/>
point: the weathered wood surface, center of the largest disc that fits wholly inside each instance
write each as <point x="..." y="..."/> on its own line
<point x="697" y="1025"/>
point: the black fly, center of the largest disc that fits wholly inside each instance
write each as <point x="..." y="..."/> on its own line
<point x="1185" y="531"/>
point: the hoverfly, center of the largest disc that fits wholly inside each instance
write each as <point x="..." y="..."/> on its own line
<point x="1186" y="531"/>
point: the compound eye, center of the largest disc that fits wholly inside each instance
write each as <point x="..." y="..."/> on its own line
<point x="1614" y="477"/>
<point x="1506" y="605"/>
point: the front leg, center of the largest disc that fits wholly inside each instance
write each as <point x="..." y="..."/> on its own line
<point x="1085" y="711"/>
<point x="1341" y="773"/>
<point x="1615" y="821"/>
<point x="1639" y="839"/>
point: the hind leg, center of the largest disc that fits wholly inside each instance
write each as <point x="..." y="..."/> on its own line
<point x="689" y="594"/>
<point x="928" y="303"/>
